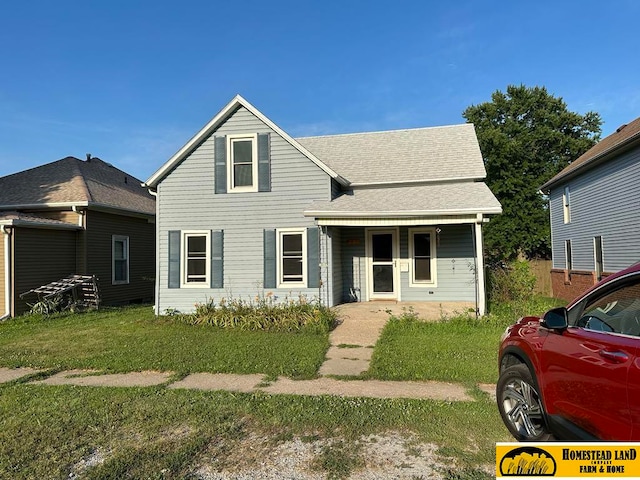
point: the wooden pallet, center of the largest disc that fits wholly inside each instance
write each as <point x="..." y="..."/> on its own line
<point x="83" y="288"/>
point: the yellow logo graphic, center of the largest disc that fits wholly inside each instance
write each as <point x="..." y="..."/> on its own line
<point x="527" y="462"/>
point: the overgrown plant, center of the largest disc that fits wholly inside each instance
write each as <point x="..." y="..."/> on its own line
<point x="264" y="313"/>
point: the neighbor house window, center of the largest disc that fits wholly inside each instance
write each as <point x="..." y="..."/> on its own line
<point x="597" y="253"/>
<point x="242" y="152"/>
<point x="120" y="259"/>
<point x="196" y="255"/>
<point x="568" y="259"/>
<point x="292" y="254"/>
<point x="566" y="205"/>
<point x="422" y="252"/>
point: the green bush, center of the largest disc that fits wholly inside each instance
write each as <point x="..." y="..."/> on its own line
<point x="264" y="314"/>
<point x="511" y="282"/>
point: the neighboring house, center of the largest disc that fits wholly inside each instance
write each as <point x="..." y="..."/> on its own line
<point x="244" y="209"/>
<point x="75" y="217"/>
<point x="594" y="205"/>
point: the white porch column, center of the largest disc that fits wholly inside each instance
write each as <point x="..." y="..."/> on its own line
<point x="6" y="234"/>
<point x="482" y="297"/>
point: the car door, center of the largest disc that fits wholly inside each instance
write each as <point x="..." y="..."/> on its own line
<point x="586" y="367"/>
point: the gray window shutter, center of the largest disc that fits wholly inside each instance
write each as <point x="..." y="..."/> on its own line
<point x="264" y="163"/>
<point x="313" y="257"/>
<point x="220" y="164"/>
<point x="174" y="259"/>
<point x="269" y="259"/>
<point x="217" y="263"/>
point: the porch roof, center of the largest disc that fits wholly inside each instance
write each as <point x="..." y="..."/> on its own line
<point x="445" y="199"/>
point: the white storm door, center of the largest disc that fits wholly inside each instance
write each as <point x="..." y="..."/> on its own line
<point x="382" y="247"/>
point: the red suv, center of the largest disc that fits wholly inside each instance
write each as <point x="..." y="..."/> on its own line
<point x="575" y="373"/>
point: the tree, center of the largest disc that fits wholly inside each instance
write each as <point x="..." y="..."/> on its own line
<point x="526" y="137"/>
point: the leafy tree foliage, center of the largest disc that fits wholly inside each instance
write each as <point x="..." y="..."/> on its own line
<point x="526" y="136"/>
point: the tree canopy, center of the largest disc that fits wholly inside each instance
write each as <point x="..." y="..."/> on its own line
<point x="526" y="136"/>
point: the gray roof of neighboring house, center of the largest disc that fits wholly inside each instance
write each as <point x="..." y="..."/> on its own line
<point x="401" y="156"/>
<point x="458" y="198"/>
<point x="622" y="137"/>
<point x="27" y="220"/>
<point x="71" y="181"/>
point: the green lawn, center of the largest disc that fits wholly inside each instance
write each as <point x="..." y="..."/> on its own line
<point x="46" y="431"/>
<point x="133" y="339"/>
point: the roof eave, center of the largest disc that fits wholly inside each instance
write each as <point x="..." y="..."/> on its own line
<point x="592" y="162"/>
<point x="416" y="182"/>
<point x="16" y="222"/>
<point x="401" y="213"/>
<point x="210" y="127"/>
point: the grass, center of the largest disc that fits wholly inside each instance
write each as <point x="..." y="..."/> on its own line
<point x="52" y="432"/>
<point x="458" y="349"/>
<point x="102" y="433"/>
<point x="133" y="339"/>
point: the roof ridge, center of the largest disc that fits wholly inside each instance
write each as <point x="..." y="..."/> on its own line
<point x="399" y="130"/>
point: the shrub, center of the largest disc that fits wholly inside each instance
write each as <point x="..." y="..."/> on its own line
<point x="263" y="314"/>
<point x="511" y="282"/>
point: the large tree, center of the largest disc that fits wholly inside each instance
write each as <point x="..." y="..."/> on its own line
<point x="526" y="137"/>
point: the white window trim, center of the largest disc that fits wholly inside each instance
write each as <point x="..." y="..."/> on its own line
<point x="254" y="162"/>
<point x="114" y="239"/>
<point x="279" y="273"/>
<point x="434" y="261"/>
<point x="566" y="205"/>
<point x="183" y="259"/>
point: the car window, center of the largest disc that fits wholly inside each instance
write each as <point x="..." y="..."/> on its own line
<point x="616" y="312"/>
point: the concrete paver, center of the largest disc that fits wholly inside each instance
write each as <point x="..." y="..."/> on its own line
<point x="92" y="378"/>
<point x="220" y="381"/>
<point x="10" y="374"/>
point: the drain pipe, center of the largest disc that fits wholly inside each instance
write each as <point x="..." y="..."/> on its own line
<point x="7" y="271"/>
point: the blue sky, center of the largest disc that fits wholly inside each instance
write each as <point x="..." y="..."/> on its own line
<point x="132" y="81"/>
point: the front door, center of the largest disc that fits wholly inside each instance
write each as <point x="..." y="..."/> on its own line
<point x="382" y="264"/>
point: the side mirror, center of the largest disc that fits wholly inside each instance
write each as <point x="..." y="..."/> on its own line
<point x="555" y="319"/>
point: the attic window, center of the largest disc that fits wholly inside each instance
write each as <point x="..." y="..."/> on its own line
<point x="242" y="152"/>
<point x="566" y="205"/>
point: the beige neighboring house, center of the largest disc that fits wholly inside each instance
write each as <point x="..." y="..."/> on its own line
<point x="76" y="216"/>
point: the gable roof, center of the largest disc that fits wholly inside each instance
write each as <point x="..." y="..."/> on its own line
<point x="74" y="182"/>
<point x="214" y="123"/>
<point x="621" y="138"/>
<point x="419" y="155"/>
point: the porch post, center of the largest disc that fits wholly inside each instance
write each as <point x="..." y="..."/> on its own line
<point x="482" y="300"/>
<point x="6" y="234"/>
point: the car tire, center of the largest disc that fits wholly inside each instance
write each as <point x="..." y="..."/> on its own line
<point x="520" y="405"/>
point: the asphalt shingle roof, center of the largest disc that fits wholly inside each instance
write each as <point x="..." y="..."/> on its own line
<point x="434" y="199"/>
<point x="606" y="145"/>
<point x="70" y="180"/>
<point x="397" y="156"/>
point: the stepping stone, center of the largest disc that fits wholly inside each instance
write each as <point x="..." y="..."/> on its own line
<point x="10" y="374"/>
<point x="219" y="381"/>
<point x="93" y="378"/>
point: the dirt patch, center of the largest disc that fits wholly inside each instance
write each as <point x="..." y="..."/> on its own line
<point x="380" y="457"/>
<point x="220" y="381"/>
<point x="91" y="378"/>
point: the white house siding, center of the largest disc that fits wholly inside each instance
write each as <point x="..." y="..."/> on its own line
<point x="186" y="201"/>
<point x="604" y="202"/>
<point x="455" y="266"/>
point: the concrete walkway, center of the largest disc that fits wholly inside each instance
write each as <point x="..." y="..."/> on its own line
<point x="349" y="355"/>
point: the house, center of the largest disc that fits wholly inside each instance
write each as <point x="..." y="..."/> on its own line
<point x="595" y="213"/>
<point x="75" y="217"/>
<point x="244" y="209"/>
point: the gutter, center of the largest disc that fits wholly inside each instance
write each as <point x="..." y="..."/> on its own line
<point x="398" y="214"/>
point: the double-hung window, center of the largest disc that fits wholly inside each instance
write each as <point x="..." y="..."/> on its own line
<point x="196" y="259"/>
<point x="119" y="259"/>
<point x="242" y="152"/>
<point x="422" y="250"/>
<point x="566" y="205"/>
<point x="292" y="255"/>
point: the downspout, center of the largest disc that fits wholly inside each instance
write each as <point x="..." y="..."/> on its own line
<point x="7" y="271"/>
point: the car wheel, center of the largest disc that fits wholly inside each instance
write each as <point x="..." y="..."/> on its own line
<point x="520" y="405"/>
